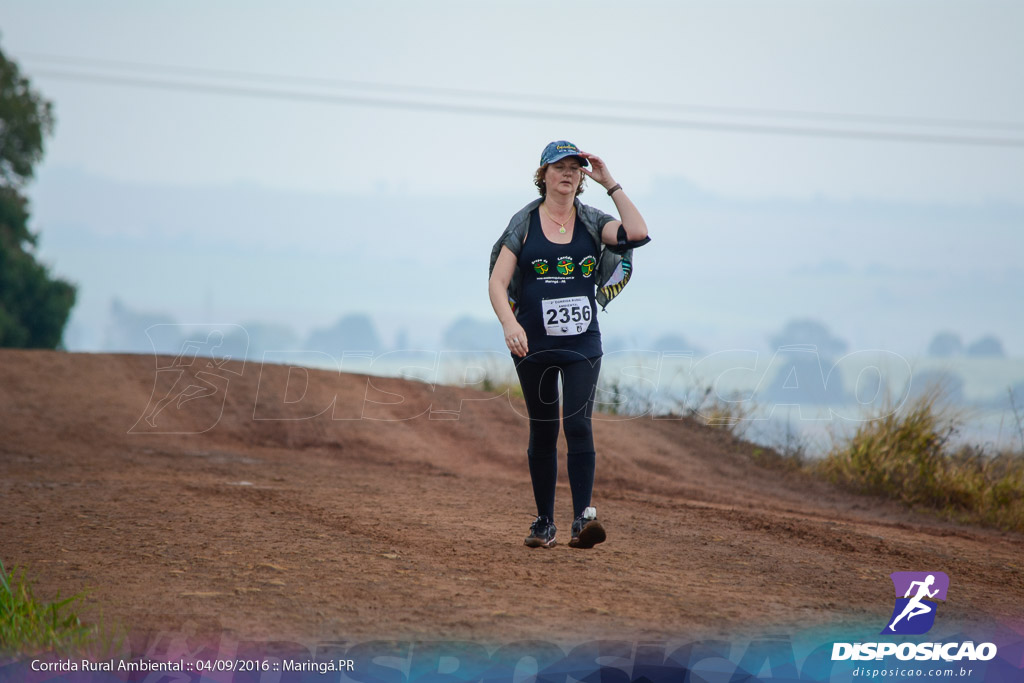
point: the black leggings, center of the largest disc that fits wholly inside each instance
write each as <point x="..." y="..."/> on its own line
<point x="540" y="389"/>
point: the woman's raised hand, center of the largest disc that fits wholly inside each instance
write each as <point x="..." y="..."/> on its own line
<point x="600" y="173"/>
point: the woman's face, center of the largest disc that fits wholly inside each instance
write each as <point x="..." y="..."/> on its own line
<point x="564" y="176"/>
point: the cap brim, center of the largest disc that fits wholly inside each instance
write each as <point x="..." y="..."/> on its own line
<point x="559" y="157"/>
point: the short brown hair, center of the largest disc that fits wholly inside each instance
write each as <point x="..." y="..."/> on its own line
<point x="538" y="180"/>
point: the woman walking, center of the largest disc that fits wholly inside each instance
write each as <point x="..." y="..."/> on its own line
<point x="557" y="260"/>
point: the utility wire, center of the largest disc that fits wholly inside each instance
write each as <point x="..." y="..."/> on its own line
<point x="411" y="105"/>
<point x="522" y="97"/>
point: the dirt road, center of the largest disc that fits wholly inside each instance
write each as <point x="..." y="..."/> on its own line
<point x="262" y="507"/>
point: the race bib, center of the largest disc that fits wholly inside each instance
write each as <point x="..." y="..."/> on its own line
<point x="567" y="316"/>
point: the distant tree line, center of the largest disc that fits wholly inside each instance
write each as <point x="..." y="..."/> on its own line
<point x="949" y="345"/>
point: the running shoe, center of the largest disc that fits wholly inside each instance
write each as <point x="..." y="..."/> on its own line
<point x="586" y="530"/>
<point x="542" y="533"/>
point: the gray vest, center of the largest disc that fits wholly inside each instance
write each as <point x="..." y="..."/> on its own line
<point x="614" y="264"/>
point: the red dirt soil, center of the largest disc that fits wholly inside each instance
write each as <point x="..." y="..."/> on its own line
<point x="261" y="511"/>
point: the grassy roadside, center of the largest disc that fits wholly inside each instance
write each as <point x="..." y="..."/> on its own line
<point x="30" y="626"/>
<point x="910" y="455"/>
<point x="907" y="453"/>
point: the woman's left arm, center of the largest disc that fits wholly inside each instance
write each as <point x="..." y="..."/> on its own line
<point x="632" y="221"/>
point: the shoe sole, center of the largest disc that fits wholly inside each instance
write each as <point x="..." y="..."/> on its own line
<point x="591" y="534"/>
<point x="537" y="543"/>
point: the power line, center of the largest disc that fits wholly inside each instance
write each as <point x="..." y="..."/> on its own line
<point x="453" y="108"/>
<point x="523" y="97"/>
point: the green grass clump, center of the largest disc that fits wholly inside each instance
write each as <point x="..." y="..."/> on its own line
<point x="733" y="415"/>
<point x="28" y="626"/>
<point x="493" y="386"/>
<point x="908" y="455"/>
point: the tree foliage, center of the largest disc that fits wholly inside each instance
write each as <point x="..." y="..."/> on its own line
<point x="34" y="306"/>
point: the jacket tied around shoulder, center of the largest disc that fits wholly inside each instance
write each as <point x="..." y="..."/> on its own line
<point x="614" y="264"/>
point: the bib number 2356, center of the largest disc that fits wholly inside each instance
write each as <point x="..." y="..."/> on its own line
<point x="566" y="317"/>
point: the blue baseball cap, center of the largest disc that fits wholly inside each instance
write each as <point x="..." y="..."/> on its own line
<point x="561" y="149"/>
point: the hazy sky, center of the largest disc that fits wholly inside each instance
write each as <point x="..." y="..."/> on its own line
<point x="389" y="101"/>
<point x="920" y="60"/>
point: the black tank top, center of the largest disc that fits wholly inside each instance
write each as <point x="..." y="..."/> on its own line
<point x="557" y="307"/>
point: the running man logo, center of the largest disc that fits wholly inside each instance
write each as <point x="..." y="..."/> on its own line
<point x="587" y="265"/>
<point x="565" y="265"/>
<point x="190" y="390"/>
<point x="916" y="593"/>
<point x="541" y="266"/>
